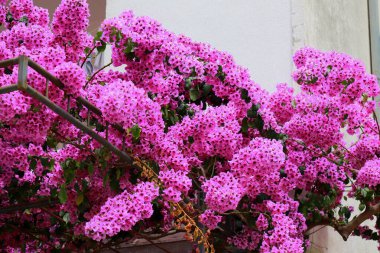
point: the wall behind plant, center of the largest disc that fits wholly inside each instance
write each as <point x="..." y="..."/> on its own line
<point x="256" y="32"/>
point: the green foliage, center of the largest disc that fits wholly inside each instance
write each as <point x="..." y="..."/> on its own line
<point x="136" y="132"/>
<point x="62" y="194"/>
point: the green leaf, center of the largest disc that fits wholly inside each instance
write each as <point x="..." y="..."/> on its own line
<point x="80" y="198"/>
<point x="261" y="197"/>
<point x="90" y="168"/>
<point x="206" y="89"/>
<point x="118" y="174"/>
<point x="220" y="74"/>
<point x="119" y="36"/>
<point x="66" y="217"/>
<point x="188" y="83"/>
<point x="45" y="161"/>
<point x="106" y="179"/>
<point x="314" y="80"/>
<point x="98" y="35"/>
<point x="361" y="206"/>
<point x="24" y="20"/>
<point x="244" y="126"/>
<point x="62" y="195"/>
<point x="326" y="201"/>
<point x="302" y="169"/>
<point x="33" y="164"/>
<point x="283" y="173"/>
<point x="252" y="112"/>
<point x="364" y="192"/>
<point x="136" y="132"/>
<point x="194" y="94"/>
<point x="87" y="50"/>
<point x="69" y="173"/>
<point x="365" y="97"/>
<point x="9" y="17"/>
<point x="101" y="48"/>
<point x="244" y="95"/>
<point x="129" y="49"/>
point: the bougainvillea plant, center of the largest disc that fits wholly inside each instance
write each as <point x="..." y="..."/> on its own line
<point x="215" y="155"/>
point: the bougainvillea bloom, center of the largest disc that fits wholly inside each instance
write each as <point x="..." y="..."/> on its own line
<point x="213" y="154"/>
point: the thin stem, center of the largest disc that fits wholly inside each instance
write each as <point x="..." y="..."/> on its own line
<point x="31" y="235"/>
<point x="88" y="55"/>
<point x="377" y="122"/>
<point x="23" y="206"/>
<point x="346" y="230"/>
<point x="92" y="77"/>
<point x="52" y="214"/>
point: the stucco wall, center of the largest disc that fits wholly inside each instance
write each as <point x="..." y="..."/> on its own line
<point x="340" y="25"/>
<point x="256" y="32"/>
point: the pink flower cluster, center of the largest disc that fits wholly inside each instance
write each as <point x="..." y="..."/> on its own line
<point x="170" y="59"/>
<point x="70" y="31"/>
<point x="248" y="239"/>
<point x="210" y="219"/>
<point x="121" y="212"/>
<point x="72" y="77"/>
<point x="260" y="157"/>
<point x="214" y="132"/>
<point x="262" y="222"/>
<point x="333" y="73"/>
<point x="369" y="174"/>
<point x="223" y="192"/>
<point x="175" y="183"/>
<point x="194" y="114"/>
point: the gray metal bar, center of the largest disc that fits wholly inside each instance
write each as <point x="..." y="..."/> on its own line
<point x="89" y="106"/>
<point x="88" y="117"/>
<point x="8" y="89"/>
<point x="60" y="85"/>
<point x="9" y="62"/>
<point x="47" y="88"/>
<point x="107" y="131"/>
<point x="22" y="72"/>
<point x="61" y="112"/>
<point x="46" y="74"/>
<point x="23" y="62"/>
<point x="68" y="103"/>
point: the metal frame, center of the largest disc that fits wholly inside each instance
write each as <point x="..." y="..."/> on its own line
<point x="22" y="85"/>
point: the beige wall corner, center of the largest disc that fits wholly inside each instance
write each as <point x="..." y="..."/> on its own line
<point x="340" y="25"/>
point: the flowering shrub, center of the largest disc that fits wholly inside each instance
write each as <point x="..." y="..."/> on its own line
<point x="217" y="156"/>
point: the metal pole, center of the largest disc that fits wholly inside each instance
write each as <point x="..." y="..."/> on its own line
<point x="9" y="62"/>
<point x="22" y="72"/>
<point x="23" y="63"/>
<point x="47" y="88"/>
<point x="46" y="74"/>
<point x="8" y="89"/>
<point x="61" y="112"/>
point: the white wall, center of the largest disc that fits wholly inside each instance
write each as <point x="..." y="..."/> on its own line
<point x="340" y="25"/>
<point x="256" y="32"/>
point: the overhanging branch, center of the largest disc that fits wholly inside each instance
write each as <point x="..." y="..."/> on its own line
<point x="346" y="230"/>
